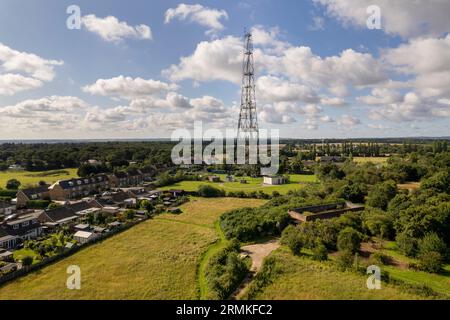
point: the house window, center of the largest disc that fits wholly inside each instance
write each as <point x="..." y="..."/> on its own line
<point x="34" y="221"/>
<point x="34" y="196"/>
<point x="16" y="226"/>
<point x="25" y="223"/>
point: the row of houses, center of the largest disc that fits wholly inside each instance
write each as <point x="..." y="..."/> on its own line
<point x="64" y="190"/>
<point x="29" y="224"/>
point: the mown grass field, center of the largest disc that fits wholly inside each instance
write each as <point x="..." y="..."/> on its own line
<point x="301" y="278"/>
<point x="33" y="178"/>
<point x="376" y="160"/>
<point x="297" y="181"/>
<point x="157" y="259"/>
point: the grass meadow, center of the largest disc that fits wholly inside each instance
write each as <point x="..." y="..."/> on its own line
<point x="301" y="278"/>
<point x="157" y="259"/>
<point x="297" y="181"/>
<point x="28" y="178"/>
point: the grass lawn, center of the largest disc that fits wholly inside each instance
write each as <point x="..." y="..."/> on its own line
<point x="297" y="181"/>
<point x="376" y="160"/>
<point x="157" y="259"/>
<point x="301" y="278"/>
<point x="33" y="178"/>
<point x="20" y="254"/>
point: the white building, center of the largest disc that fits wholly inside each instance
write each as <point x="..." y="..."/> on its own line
<point x="84" y="236"/>
<point x="274" y="180"/>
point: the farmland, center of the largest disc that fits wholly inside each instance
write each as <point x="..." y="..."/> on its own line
<point x="297" y="181"/>
<point x="375" y="160"/>
<point x="33" y="178"/>
<point x="157" y="259"/>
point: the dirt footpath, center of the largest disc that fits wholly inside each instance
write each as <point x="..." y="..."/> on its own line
<point x="258" y="252"/>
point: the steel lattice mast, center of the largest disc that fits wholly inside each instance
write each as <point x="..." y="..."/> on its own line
<point x="248" y="118"/>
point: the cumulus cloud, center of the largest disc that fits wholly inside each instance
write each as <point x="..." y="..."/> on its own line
<point x="127" y="87"/>
<point x="33" y="108"/>
<point x="426" y="59"/>
<point x="11" y="84"/>
<point x="204" y="16"/>
<point x="112" y="30"/>
<point x="219" y="59"/>
<point x="400" y="17"/>
<point x="21" y="71"/>
<point x="348" y="121"/>
<point x="275" y="89"/>
<point x="412" y="107"/>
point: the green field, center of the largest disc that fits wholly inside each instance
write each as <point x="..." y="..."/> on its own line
<point x="28" y="178"/>
<point x="376" y="160"/>
<point x="297" y="181"/>
<point x="437" y="282"/>
<point x="300" y="278"/>
<point x="157" y="259"/>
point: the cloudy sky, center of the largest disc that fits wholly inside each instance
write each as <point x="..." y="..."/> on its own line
<point x="140" y="69"/>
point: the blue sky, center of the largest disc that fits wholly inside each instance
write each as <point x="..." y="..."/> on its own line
<point x="321" y="72"/>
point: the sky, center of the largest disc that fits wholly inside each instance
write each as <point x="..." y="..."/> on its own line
<point x="142" y="69"/>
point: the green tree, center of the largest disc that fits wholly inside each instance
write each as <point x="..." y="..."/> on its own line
<point x="349" y="240"/>
<point x="432" y="251"/>
<point x="13" y="184"/>
<point x="381" y="194"/>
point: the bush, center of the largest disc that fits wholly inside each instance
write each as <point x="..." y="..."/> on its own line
<point x="406" y="244"/>
<point x="13" y="184"/>
<point x="430" y="261"/>
<point x="378" y="258"/>
<point x="253" y="223"/>
<point x="432" y="251"/>
<point x="349" y="240"/>
<point x="208" y="191"/>
<point x="38" y="204"/>
<point x="345" y="260"/>
<point x="291" y="238"/>
<point x="27" y="261"/>
<point x="225" y="271"/>
<point x="129" y="214"/>
<point x="320" y="252"/>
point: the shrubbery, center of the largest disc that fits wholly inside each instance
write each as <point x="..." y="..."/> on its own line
<point x="208" y="191"/>
<point x="252" y="223"/>
<point x="225" y="271"/>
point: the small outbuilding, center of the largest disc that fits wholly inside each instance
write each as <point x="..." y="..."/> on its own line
<point x="83" y="236"/>
<point x="274" y="180"/>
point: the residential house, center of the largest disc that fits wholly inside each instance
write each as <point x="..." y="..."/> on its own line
<point x="30" y="194"/>
<point x="6" y="208"/>
<point x="214" y="179"/>
<point x="331" y="159"/>
<point x="81" y="187"/>
<point x="19" y="228"/>
<point x="58" y="217"/>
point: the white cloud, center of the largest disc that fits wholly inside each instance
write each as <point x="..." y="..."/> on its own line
<point x="274" y="89"/>
<point x="29" y="63"/>
<point x="406" y="18"/>
<point x="318" y="24"/>
<point x="219" y="59"/>
<point x="112" y="30"/>
<point x="127" y="87"/>
<point x="333" y="101"/>
<point x="428" y="60"/>
<point x="348" y="121"/>
<point x="411" y="107"/>
<point x="381" y="96"/>
<point x="11" y="84"/>
<point x="206" y="17"/>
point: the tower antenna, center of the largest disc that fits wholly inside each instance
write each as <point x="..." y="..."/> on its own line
<point x="248" y="117"/>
